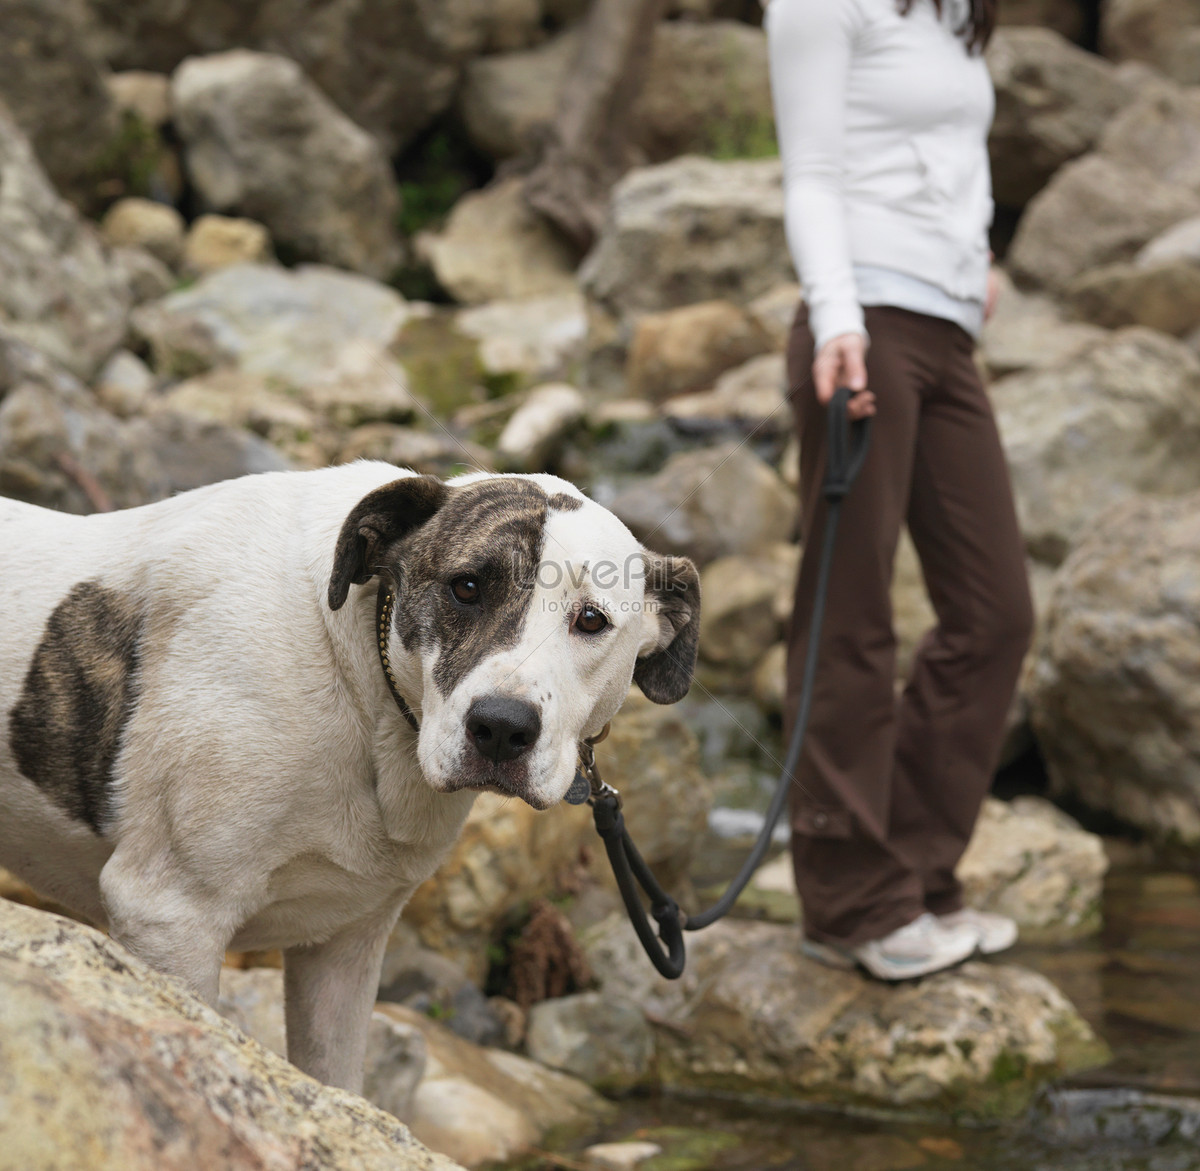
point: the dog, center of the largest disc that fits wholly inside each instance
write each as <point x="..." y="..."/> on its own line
<point x="256" y="715"/>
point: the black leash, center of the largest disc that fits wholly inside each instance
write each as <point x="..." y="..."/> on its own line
<point x="847" y="448"/>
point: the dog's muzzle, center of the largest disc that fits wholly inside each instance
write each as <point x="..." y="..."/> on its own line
<point x="501" y="728"/>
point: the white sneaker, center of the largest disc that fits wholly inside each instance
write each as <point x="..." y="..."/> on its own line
<point x="995" y="932"/>
<point x="925" y="945"/>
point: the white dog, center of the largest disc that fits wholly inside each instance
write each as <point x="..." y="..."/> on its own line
<point x="201" y="747"/>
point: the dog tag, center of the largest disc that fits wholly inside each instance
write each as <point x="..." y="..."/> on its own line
<point x="579" y="791"/>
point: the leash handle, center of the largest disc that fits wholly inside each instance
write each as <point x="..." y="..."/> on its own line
<point x="846" y="448"/>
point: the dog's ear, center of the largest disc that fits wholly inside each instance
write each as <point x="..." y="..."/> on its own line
<point x="667" y="657"/>
<point x="378" y="521"/>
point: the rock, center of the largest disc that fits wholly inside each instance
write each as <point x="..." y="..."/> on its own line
<point x="1163" y="296"/>
<point x="769" y="682"/>
<point x="1114" y="695"/>
<point x="623" y="1156"/>
<point x="1053" y="101"/>
<point x="145" y="276"/>
<point x="124" y="385"/>
<point x="217" y="241"/>
<point x="1032" y="862"/>
<point x="486" y="1105"/>
<point x="750" y="395"/>
<point x="58" y="292"/>
<point x="686" y="349"/>
<point x="105" y="1063"/>
<point x="537" y="338"/>
<point x="1180" y="243"/>
<point x="1160" y="133"/>
<point x="743" y="598"/>
<point x="604" y="1040"/>
<point x="539" y="425"/>
<point x="1094" y="211"/>
<point x="320" y="331"/>
<point x="60" y="450"/>
<point x="142" y="223"/>
<point x="775" y="311"/>
<point x="436" y="453"/>
<point x="1123" y="419"/>
<point x="194" y="452"/>
<point x="1165" y="33"/>
<point x="54" y="84"/>
<point x="494" y="247"/>
<point x="977" y="1040"/>
<point x="144" y="94"/>
<point x="706" y="92"/>
<point x="708" y="504"/>
<point x="690" y="230"/>
<point x="262" y="141"/>
<point x="1027" y="330"/>
<point x="1064" y="18"/>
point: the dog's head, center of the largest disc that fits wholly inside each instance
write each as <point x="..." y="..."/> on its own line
<point x="523" y="610"/>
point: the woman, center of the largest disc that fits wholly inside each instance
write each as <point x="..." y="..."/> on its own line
<point x="882" y="109"/>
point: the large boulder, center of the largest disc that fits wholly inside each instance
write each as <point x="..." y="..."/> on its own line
<point x="494" y="247"/>
<point x="106" y="1064"/>
<point x="391" y="65"/>
<point x="1166" y="33"/>
<point x="693" y="229"/>
<point x="262" y="141"/>
<point x="1160" y="133"/>
<point x="1121" y="420"/>
<point x="1163" y="295"/>
<point x="57" y="291"/>
<point x="706" y="92"/>
<point x="1095" y="210"/>
<point x="708" y="504"/>
<point x="976" y="1040"/>
<point x="1115" y="693"/>
<point x="1063" y="16"/>
<point x="54" y="84"/>
<point x="1053" y="101"/>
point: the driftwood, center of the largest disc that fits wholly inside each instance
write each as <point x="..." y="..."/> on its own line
<point x="587" y="147"/>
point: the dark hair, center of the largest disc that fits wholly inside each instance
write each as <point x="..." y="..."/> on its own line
<point x="976" y="30"/>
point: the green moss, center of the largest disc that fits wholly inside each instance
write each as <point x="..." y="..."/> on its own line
<point x="1008" y="1067"/>
<point x="685" y="1149"/>
<point x="129" y="162"/>
<point x="743" y="135"/>
<point x="434" y="174"/>
<point x="442" y="364"/>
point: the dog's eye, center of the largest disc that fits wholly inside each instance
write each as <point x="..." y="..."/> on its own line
<point x="591" y="620"/>
<point x="466" y="590"/>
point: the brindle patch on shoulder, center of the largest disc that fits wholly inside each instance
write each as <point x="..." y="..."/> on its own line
<point x="564" y="502"/>
<point x="495" y="531"/>
<point x="79" y="691"/>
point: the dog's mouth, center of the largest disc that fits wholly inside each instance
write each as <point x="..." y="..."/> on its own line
<point x="508" y="779"/>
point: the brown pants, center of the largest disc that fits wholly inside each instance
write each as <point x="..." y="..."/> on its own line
<point x="888" y="790"/>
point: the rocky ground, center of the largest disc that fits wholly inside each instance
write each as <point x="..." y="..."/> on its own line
<point x="240" y="240"/>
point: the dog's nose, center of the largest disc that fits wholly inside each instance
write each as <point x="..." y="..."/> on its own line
<point x="501" y="728"/>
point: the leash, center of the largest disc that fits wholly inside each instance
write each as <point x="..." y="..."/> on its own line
<point x="847" y="449"/>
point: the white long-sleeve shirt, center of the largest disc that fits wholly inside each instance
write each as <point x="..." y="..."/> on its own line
<point x="882" y="122"/>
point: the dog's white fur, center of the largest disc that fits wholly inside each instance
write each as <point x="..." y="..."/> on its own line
<point x="267" y="791"/>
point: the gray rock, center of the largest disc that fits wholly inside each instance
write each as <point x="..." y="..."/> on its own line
<point x="1115" y="693"/>
<point x="775" y="311"/>
<point x="53" y="81"/>
<point x="314" y="329"/>
<point x="746" y="600"/>
<point x="1063" y="16"/>
<point x="143" y="223"/>
<point x="436" y="453"/>
<point x="262" y="141"/>
<point x="535" y="338"/>
<point x="194" y="452"/>
<point x="605" y="1040"/>
<point x="1030" y="861"/>
<point x="977" y="1040"/>
<point x="648" y="257"/>
<point x="1094" y="211"/>
<point x="708" y="504"/>
<point x="124" y="385"/>
<point x="1166" y="33"/>
<point x="1160" y="133"/>
<point x="105" y="1063"/>
<point x="1163" y="295"/>
<point x="1053" y="101"/>
<point x="750" y="395"/>
<point x="58" y="291"/>
<point x="145" y="276"/>
<point x="1121" y="420"/>
<point x="1180" y="243"/>
<point x="494" y="247"/>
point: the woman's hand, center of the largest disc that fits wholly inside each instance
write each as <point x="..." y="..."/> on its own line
<point x="842" y="361"/>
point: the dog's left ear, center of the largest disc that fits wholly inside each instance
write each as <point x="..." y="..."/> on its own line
<point x="378" y="521"/>
<point x="667" y="657"/>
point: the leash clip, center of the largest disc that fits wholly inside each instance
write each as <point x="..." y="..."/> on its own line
<point x="588" y="787"/>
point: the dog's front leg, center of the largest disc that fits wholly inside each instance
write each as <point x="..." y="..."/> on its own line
<point x="329" y="992"/>
<point x="157" y="915"/>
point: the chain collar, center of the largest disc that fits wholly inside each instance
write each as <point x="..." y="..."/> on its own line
<point x="384" y="602"/>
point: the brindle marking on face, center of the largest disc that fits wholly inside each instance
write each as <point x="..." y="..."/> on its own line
<point x="79" y="691"/>
<point x="494" y="532"/>
<point x="562" y="502"/>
